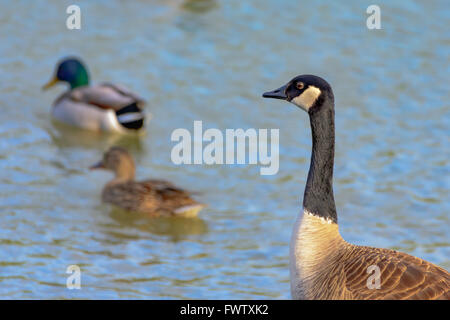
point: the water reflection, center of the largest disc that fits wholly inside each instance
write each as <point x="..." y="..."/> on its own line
<point x="199" y="6"/>
<point x="176" y="229"/>
<point x="67" y="137"/>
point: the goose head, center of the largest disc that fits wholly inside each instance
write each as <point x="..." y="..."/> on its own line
<point x="305" y="91"/>
<point x="119" y="161"/>
<point x="70" y="70"/>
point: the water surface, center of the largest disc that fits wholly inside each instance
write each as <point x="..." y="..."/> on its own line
<point x="211" y="61"/>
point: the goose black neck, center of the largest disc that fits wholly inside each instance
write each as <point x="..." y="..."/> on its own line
<point x="318" y="198"/>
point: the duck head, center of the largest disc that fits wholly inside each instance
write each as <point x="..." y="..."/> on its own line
<point x="70" y="70"/>
<point x="119" y="161"/>
<point x="305" y="91"/>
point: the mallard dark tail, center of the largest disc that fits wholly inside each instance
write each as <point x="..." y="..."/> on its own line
<point x="131" y="117"/>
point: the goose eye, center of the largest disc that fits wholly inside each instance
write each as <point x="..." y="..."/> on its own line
<point x="300" y="85"/>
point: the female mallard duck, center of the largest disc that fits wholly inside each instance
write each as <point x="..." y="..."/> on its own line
<point x="153" y="197"/>
<point x="322" y="264"/>
<point x="102" y="107"/>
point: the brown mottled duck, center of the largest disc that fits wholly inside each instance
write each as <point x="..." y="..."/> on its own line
<point x="157" y="198"/>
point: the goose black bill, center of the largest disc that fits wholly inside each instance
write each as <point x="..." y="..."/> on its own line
<point x="279" y="93"/>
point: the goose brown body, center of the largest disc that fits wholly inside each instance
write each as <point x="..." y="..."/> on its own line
<point x="325" y="266"/>
<point x="155" y="198"/>
<point x="322" y="264"/>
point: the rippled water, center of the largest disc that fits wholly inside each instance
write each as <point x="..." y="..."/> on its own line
<point x="211" y="60"/>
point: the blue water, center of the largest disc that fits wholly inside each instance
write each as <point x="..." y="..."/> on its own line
<point x="211" y="60"/>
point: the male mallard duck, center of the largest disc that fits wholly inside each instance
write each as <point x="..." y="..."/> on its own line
<point x="102" y="107"/>
<point x="153" y="197"/>
<point x="323" y="265"/>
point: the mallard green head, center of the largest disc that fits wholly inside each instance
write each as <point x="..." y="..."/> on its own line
<point x="72" y="71"/>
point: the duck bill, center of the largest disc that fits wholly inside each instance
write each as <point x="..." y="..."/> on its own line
<point x="50" y="84"/>
<point x="279" y="93"/>
<point x="98" y="165"/>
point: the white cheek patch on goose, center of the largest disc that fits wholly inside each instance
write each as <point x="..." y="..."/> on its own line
<point x="307" y="98"/>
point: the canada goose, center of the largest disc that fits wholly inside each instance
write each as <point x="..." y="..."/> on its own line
<point x="322" y="264"/>
<point x="102" y="107"/>
<point x="157" y="198"/>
